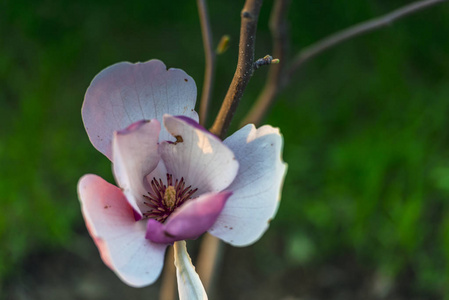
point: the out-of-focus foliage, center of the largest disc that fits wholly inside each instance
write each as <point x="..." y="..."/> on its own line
<point x="368" y="151"/>
<point x="365" y="125"/>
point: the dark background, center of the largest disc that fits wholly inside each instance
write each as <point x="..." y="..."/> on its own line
<point x="365" y="207"/>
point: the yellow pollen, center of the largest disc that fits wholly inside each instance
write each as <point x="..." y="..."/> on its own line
<point x="170" y="196"/>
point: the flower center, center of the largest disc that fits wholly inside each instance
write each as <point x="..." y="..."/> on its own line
<point x="170" y="196"/>
<point x="163" y="199"/>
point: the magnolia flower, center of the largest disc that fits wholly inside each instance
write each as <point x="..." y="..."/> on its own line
<point x="175" y="179"/>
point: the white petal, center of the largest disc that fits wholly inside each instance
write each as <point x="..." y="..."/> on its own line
<point x="201" y="158"/>
<point x="160" y="172"/>
<point x="135" y="154"/>
<point x="257" y="187"/>
<point x="125" y="93"/>
<point x="119" y="238"/>
<point x="190" y="286"/>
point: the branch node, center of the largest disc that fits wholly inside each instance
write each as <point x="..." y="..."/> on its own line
<point x="246" y="15"/>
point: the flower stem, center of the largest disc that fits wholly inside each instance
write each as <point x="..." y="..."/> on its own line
<point x="189" y="283"/>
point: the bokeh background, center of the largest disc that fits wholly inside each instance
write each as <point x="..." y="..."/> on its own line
<point x="365" y="207"/>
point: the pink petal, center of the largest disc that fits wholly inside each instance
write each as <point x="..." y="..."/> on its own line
<point x="135" y="155"/>
<point x="201" y="158"/>
<point x="190" y="220"/>
<point x="125" y="93"/>
<point x="257" y="187"/>
<point x="119" y="238"/>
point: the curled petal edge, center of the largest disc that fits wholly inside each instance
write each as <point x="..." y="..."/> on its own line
<point x="190" y="220"/>
<point x="257" y="187"/>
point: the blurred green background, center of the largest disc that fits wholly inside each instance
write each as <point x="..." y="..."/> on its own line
<point x="365" y="128"/>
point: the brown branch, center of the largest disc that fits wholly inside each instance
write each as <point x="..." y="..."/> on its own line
<point x="279" y="32"/>
<point x="209" y="257"/>
<point x="356" y="30"/>
<point x="210" y="60"/>
<point x="245" y="68"/>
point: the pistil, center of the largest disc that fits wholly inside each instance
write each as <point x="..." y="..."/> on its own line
<point x="164" y="199"/>
<point x="170" y="196"/>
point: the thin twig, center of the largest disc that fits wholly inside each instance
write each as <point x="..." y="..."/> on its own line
<point x="279" y="81"/>
<point x="279" y="32"/>
<point x="209" y="59"/>
<point x="357" y="30"/>
<point x="208" y="261"/>
<point x="245" y="68"/>
<point x="168" y="283"/>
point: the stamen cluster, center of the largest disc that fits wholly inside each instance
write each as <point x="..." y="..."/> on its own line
<point x="164" y="199"/>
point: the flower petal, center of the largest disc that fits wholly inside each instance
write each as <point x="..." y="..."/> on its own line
<point x="125" y="93"/>
<point x="135" y="155"/>
<point x="199" y="156"/>
<point x="119" y="238"/>
<point x="190" y="220"/>
<point x="189" y="283"/>
<point x="257" y="187"/>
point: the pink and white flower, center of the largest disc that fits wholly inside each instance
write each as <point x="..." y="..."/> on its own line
<point x="176" y="181"/>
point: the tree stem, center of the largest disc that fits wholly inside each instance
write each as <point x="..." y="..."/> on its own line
<point x="279" y="32"/>
<point x="245" y="67"/>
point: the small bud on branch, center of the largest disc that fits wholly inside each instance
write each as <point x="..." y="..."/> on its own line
<point x="223" y="45"/>
<point x="264" y="61"/>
